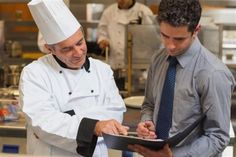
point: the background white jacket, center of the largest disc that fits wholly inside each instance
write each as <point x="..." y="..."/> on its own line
<point x="112" y="28"/>
<point x="44" y="95"/>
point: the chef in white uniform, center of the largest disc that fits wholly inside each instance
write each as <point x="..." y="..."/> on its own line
<point x="69" y="99"/>
<point x="111" y="28"/>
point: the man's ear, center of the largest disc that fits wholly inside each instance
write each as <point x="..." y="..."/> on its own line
<point x="197" y="30"/>
<point x="49" y="48"/>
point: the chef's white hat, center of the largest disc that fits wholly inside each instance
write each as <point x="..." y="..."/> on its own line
<point x="54" y="20"/>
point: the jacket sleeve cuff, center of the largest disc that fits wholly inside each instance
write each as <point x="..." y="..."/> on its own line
<point x="86" y="140"/>
<point x="146" y="117"/>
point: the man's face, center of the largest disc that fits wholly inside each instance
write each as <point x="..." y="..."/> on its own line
<point x="176" y="39"/>
<point x="72" y="51"/>
<point x="124" y="4"/>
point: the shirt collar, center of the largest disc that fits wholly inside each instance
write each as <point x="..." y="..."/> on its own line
<point x="186" y="57"/>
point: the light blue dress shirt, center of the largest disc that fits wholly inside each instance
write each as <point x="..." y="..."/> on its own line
<point x="203" y="85"/>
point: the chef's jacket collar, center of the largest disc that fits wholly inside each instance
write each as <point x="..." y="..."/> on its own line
<point x="86" y="64"/>
<point x="134" y="1"/>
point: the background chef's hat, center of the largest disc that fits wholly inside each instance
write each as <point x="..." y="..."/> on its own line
<point x="54" y="20"/>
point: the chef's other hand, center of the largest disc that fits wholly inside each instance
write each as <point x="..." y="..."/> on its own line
<point x="103" y="44"/>
<point x="110" y="127"/>
<point x="146" y="130"/>
<point x="145" y="152"/>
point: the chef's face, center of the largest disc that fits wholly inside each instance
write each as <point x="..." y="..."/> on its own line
<point x="72" y="51"/>
<point x="124" y="4"/>
<point x="176" y="39"/>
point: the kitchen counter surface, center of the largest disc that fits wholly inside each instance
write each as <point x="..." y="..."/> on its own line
<point x="14" y="125"/>
<point x="131" y="119"/>
<point x="13" y="129"/>
<point x="18" y="128"/>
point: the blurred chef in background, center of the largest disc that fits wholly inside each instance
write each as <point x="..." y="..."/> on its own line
<point x="69" y="99"/>
<point x="111" y="28"/>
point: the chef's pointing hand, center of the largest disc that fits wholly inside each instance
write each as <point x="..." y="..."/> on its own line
<point x="110" y="127"/>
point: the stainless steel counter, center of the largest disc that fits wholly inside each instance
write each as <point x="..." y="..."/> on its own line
<point x="18" y="129"/>
<point x="13" y="129"/>
<point x="131" y="118"/>
<point x="13" y="125"/>
<point x="13" y="135"/>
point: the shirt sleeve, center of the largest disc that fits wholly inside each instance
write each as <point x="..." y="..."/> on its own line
<point x="215" y="90"/>
<point x="86" y="139"/>
<point x="102" y="31"/>
<point x="148" y="104"/>
<point x="146" y="10"/>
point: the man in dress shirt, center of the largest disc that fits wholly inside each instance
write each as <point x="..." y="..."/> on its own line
<point x="203" y="85"/>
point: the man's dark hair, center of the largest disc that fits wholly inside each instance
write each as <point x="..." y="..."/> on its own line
<point x="180" y="13"/>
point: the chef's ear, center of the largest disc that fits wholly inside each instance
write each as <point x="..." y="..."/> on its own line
<point x="49" y="47"/>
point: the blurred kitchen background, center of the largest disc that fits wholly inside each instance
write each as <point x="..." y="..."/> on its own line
<point x="18" y="47"/>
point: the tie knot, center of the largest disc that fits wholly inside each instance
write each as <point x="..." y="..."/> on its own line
<point x="173" y="61"/>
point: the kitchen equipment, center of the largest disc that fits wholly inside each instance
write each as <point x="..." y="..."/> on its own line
<point x="16" y="49"/>
<point x="9" y="110"/>
<point x="145" y="42"/>
<point x="13" y="79"/>
<point x="134" y="101"/>
<point x="13" y="75"/>
<point x="94" y="11"/>
<point x="142" y="41"/>
<point x="13" y="136"/>
<point x="208" y="32"/>
<point x="7" y="46"/>
<point x="2" y="36"/>
<point x="13" y="48"/>
<point x="11" y="92"/>
<point x="119" y="76"/>
<point x="1" y="77"/>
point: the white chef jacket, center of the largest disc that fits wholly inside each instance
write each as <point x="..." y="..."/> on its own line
<point x="112" y="28"/>
<point x="47" y="91"/>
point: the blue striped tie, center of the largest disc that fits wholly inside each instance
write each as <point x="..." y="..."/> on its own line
<point x="164" y="120"/>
